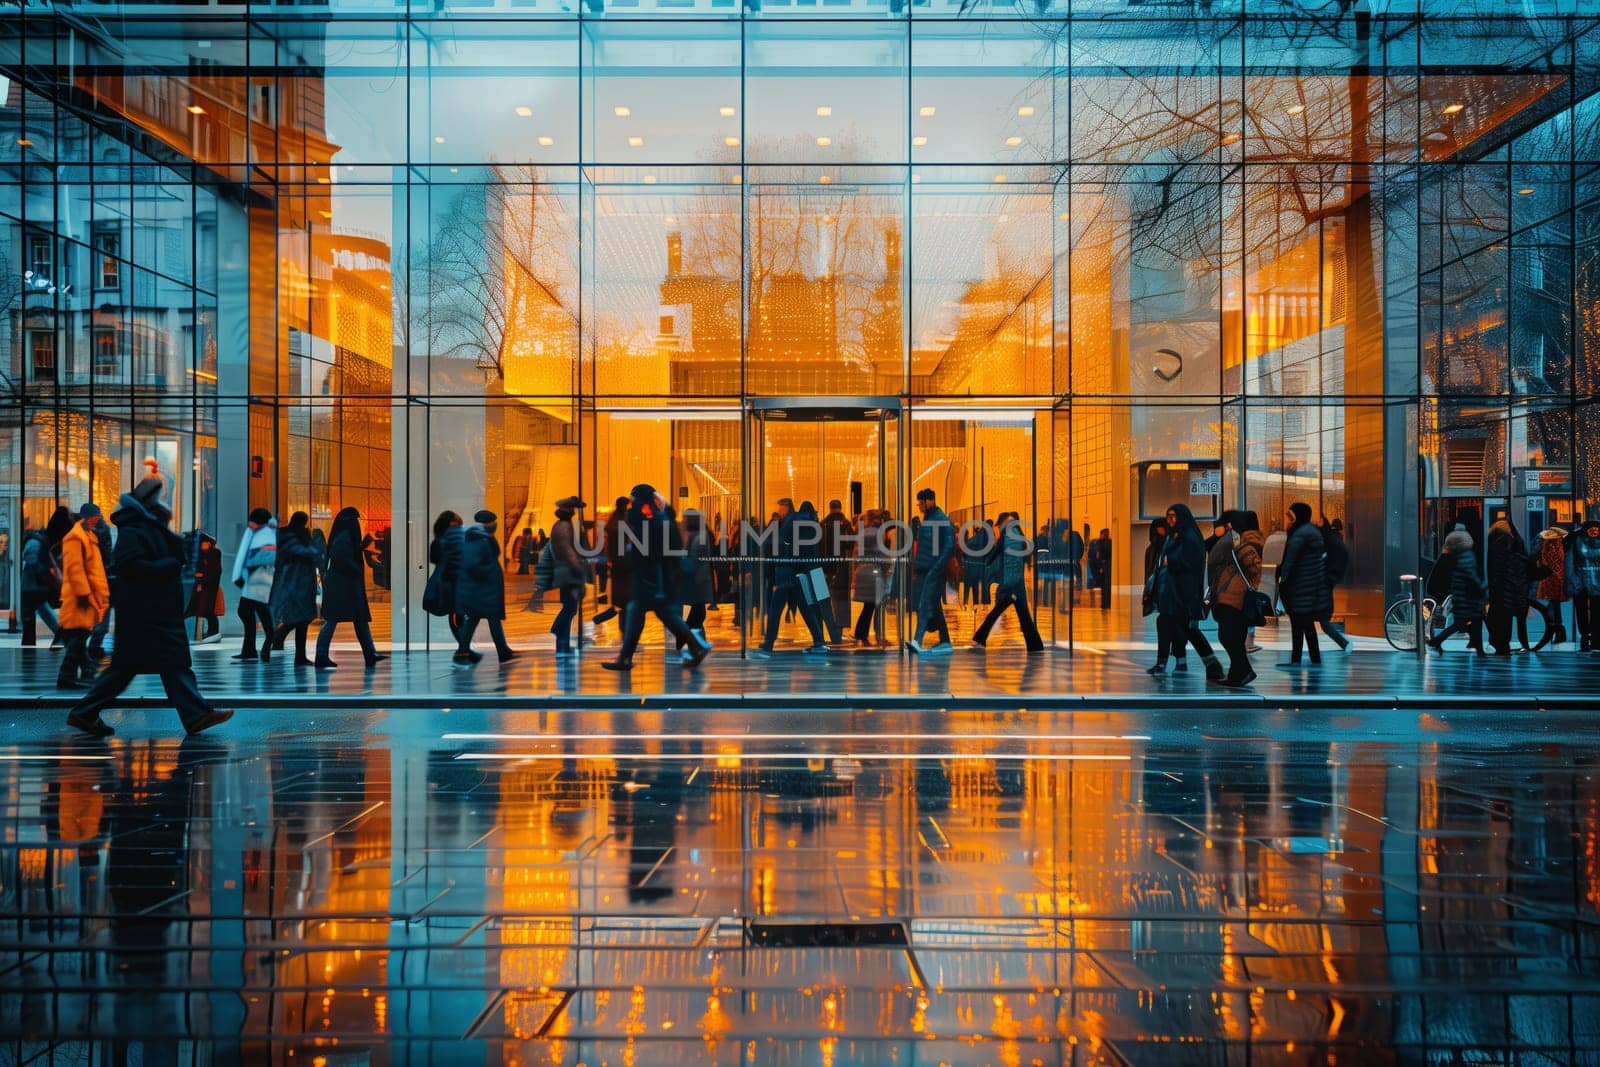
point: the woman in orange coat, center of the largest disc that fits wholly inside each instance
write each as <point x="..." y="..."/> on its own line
<point x="85" y="596"/>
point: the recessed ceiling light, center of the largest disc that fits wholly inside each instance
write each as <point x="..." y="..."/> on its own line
<point x="326" y="214"/>
<point x="524" y="111"/>
<point x="1231" y="138"/>
<point x="324" y="181"/>
<point x="999" y="177"/>
<point x="726" y="112"/>
<point x="918" y="142"/>
<point x="1065" y="216"/>
<point x="1455" y="109"/>
<point x="546" y="142"/>
<point x="1013" y="141"/>
<point x="649" y="179"/>
<point x="621" y="112"/>
<point x="824" y="142"/>
<point x="24" y="142"/>
<point x="1025" y="111"/>
<point x="438" y="140"/>
<point x="1525" y="192"/>
<point x="455" y="170"/>
<point x="731" y="142"/>
<point x="738" y="179"/>
<point x="825" y="180"/>
<point x="926" y="111"/>
<point x="636" y="142"/>
<point x="1297" y="109"/>
<point x="916" y="179"/>
<point x="196" y="109"/>
<point x="824" y="111"/>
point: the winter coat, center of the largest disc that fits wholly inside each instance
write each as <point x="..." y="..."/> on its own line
<point x="40" y="579"/>
<point x="871" y="580"/>
<point x="1012" y="562"/>
<point x="294" y="579"/>
<point x="652" y="537"/>
<point x="253" y="562"/>
<point x="83" y="574"/>
<point x="695" y="584"/>
<point x="617" y="556"/>
<point x="344" y="584"/>
<point x="935" y="541"/>
<point x="1583" y="566"/>
<point x="1553" y="558"/>
<point x="1508" y="569"/>
<point x="1303" y="575"/>
<point x="445" y="555"/>
<point x="205" y="602"/>
<point x="572" y="570"/>
<point x="1467" y="592"/>
<point x="481" y="585"/>
<point x="1228" y="586"/>
<point x="148" y="591"/>
<point x="1181" y="579"/>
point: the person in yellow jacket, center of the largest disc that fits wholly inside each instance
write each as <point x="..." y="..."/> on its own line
<point x="85" y="596"/>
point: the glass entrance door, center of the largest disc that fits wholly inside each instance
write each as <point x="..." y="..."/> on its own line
<point x="819" y="450"/>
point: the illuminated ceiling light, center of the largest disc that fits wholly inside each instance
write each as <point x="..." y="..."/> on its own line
<point x="726" y="112"/>
<point x="1065" y="216"/>
<point x="1455" y="109"/>
<point x="1025" y="111"/>
<point x="438" y="140"/>
<point x="731" y="142"/>
<point x="999" y="177"/>
<point x="546" y="142"/>
<point x="824" y="111"/>
<point x="1525" y="192"/>
<point x="649" y="179"/>
<point x="196" y="109"/>
<point x="324" y="181"/>
<point x="824" y="142"/>
<point x="524" y="111"/>
<point x="1297" y="109"/>
<point x="825" y="180"/>
<point x="326" y="214"/>
<point x="24" y="142"/>
<point x="927" y="111"/>
<point x="738" y="179"/>
<point x="636" y="142"/>
<point x="455" y="170"/>
<point x="1013" y="141"/>
<point x="1231" y="138"/>
<point x="916" y="179"/>
<point x="918" y="142"/>
<point x="621" y="112"/>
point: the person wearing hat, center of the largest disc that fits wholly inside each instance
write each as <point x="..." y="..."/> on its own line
<point x="1467" y="592"/>
<point x="148" y="598"/>
<point x="571" y="572"/>
<point x="481" y="590"/>
<point x="1550" y="583"/>
<point x="85" y="596"/>
<point x="1583" y="584"/>
<point x="653" y="546"/>
<point x="253" y="566"/>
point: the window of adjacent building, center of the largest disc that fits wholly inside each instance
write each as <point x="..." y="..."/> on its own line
<point x="107" y="268"/>
<point x="39" y="258"/>
<point x="42" y="350"/>
<point x="103" y="343"/>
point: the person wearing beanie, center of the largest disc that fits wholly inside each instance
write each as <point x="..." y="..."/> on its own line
<point x="148" y="599"/>
<point x="253" y="565"/>
<point x="481" y="590"/>
<point x="653" y="547"/>
<point x="1467" y="593"/>
<point x="85" y="597"/>
<point x="1303" y="585"/>
<point x="1583" y="584"/>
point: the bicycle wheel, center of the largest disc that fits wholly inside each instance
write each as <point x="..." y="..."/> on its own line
<point x="1400" y="625"/>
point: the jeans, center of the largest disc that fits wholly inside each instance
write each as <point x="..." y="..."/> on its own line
<point x="1231" y="632"/>
<point x="1174" y="632"/>
<point x="571" y="597"/>
<point x="249" y="612"/>
<point x="34" y="608"/>
<point x="363" y="635"/>
<point x="786" y="594"/>
<point x="75" y="663"/>
<point x="1006" y="596"/>
<point x="930" y="606"/>
<point x="179" y="682"/>
<point x="497" y="633"/>
<point x="1303" y="631"/>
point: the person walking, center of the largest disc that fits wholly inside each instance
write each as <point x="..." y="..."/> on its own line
<point x="872" y="576"/>
<point x="838" y="534"/>
<point x="783" y="592"/>
<point x="1337" y="565"/>
<point x="344" y="591"/>
<point x="694" y="585"/>
<point x="1467" y="593"/>
<point x="444" y="553"/>
<point x="148" y="599"/>
<point x="1583" y="584"/>
<point x="1012" y="591"/>
<point x="252" y="576"/>
<point x="1180" y="595"/>
<point x="294" y="586"/>
<point x="205" y="601"/>
<point x="1100" y="567"/>
<point x="85" y="597"/>
<point x="571" y="573"/>
<point x="616" y="558"/>
<point x="481" y="590"/>
<point x="652" y="545"/>
<point x="1233" y="570"/>
<point x="102" y="629"/>
<point x="41" y="585"/>
<point x="935" y="543"/>
<point x="1509" y="578"/>
<point x="1303" y="585"/>
<point x="1550" y="572"/>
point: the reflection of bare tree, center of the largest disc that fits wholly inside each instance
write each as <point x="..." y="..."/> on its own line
<point x="496" y="253"/>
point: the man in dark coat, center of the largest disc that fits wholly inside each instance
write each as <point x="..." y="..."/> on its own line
<point x="147" y="595"/>
<point x="481" y="589"/>
<point x="935" y="541"/>
<point x="838" y="533"/>
<point x="653" y="547"/>
<point x="783" y="592"/>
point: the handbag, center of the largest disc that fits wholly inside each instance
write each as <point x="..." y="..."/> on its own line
<point x="1257" y="607"/>
<point x="813" y="585"/>
<point x="433" y="595"/>
<point x="1147" y="602"/>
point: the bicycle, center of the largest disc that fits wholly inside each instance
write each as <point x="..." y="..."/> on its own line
<point x="1400" y="621"/>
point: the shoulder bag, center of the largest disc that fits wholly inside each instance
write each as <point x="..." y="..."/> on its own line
<point x="1257" y="605"/>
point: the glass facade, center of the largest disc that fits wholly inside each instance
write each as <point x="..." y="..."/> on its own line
<point x="1075" y="260"/>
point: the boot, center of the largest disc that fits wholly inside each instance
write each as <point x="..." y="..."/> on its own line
<point x="1214" y="671"/>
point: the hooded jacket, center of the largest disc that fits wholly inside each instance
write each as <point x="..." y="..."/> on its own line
<point x="481" y="585"/>
<point x="294" y="578"/>
<point x="254" y="561"/>
<point x="1228" y="584"/>
<point x="1508" y="569"/>
<point x="148" y="590"/>
<point x="1303" y="575"/>
<point x="652" y="536"/>
<point x="1181" y="572"/>
<point x="1466" y="589"/>
<point x="1583" y="563"/>
<point x="83" y="574"/>
<point x="344" y="584"/>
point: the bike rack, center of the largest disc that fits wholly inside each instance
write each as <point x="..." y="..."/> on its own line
<point x="1415" y="581"/>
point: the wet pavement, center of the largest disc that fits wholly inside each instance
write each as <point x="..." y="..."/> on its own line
<point x="1203" y="884"/>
